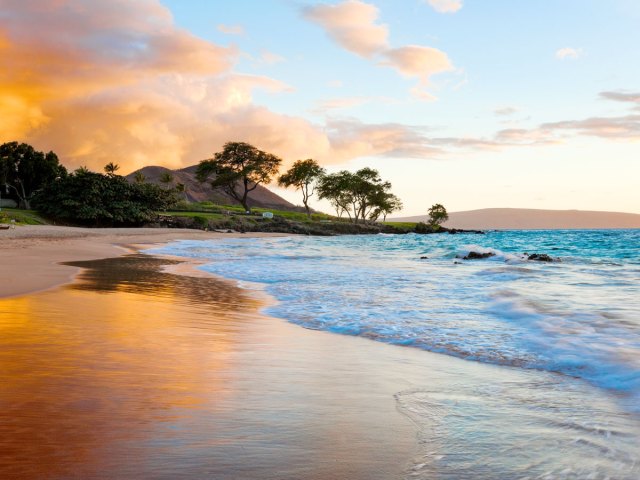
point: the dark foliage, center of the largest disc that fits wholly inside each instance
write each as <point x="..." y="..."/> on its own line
<point x="88" y="198"/>
<point x="24" y="171"/>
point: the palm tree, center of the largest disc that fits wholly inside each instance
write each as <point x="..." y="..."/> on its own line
<point x="180" y="187"/>
<point x="166" y="178"/>
<point x="110" y="168"/>
<point x="139" y="177"/>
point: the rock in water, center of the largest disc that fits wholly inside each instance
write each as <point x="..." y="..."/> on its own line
<point x="478" y="255"/>
<point x="542" y="257"/>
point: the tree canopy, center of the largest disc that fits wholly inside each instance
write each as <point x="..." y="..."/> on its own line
<point x="303" y="175"/>
<point x="239" y="168"/>
<point x="437" y="215"/>
<point x="361" y="195"/>
<point x="94" y="199"/>
<point x="24" y="170"/>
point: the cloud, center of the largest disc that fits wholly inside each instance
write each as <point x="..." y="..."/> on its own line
<point x="625" y="127"/>
<point x="505" y="111"/>
<point x="270" y="58"/>
<point x="230" y="29"/>
<point x="621" y="96"/>
<point x="568" y="53"/>
<point x="340" y="103"/>
<point x="445" y="6"/>
<point x="121" y="82"/>
<point x="351" y="138"/>
<point x="417" y="61"/>
<point x="352" y="24"/>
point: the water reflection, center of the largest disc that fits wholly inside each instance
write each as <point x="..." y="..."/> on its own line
<point x="89" y="380"/>
<point x="135" y="372"/>
<point x="147" y="275"/>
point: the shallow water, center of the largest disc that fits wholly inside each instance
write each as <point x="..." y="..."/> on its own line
<point x="579" y="316"/>
<point x="133" y="372"/>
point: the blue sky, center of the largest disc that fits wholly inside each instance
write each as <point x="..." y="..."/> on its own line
<point x="472" y="104"/>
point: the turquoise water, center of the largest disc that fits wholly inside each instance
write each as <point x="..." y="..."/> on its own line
<point x="578" y="316"/>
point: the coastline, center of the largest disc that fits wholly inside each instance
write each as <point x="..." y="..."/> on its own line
<point x="180" y="366"/>
<point x="33" y="256"/>
<point x="53" y="263"/>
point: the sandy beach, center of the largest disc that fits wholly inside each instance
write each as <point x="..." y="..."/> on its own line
<point x="139" y="369"/>
<point x="37" y="252"/>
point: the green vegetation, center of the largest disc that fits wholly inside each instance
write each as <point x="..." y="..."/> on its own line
<point x="21" y="217"/>
<point x="94" y="199"/>
<point x="24" y="171"/>
<point x="437" y="215"/>
<point x="362" y="195"/>
<point x="239" y="169"/>
<point x="404" y="226"/>
<point x="303" y="175"/>
<point x="88" y="198"/>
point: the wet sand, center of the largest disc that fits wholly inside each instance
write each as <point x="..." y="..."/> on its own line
<point x="142" y="369"/>
<point x="31" y="256"/>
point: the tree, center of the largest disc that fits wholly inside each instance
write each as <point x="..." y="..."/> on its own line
<point x="111" y="168"/>
<point x="139" y="177"/>
<point x="239" y="168"/>
<point x="166" y="178"/>
<point x="385" y="204"/>
<point x="25" y="171"/>
<point x="362" y="195"/>
<point x="181" y="188"/>
<point x="336" y="188"/>
<point x="303" y="175"/>
<point x="437" y="215"/>
<point x="89" y="198"/>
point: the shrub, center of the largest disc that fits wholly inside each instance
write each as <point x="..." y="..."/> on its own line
<point x="201" y="222"/>
<point x="93" y="199"/>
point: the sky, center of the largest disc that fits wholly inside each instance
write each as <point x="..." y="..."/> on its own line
<point x="468" y="103"/>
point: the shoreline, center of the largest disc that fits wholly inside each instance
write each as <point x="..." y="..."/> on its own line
<point x="33" y="256"/>
<point x="175" y="356"/>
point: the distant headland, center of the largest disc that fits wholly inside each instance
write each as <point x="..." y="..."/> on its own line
<point x="534" y="219"/>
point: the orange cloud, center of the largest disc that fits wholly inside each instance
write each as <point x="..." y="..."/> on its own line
<point x="118" y="81"/>
<point x="352" y="24"/>
<point x="418" y="61"/>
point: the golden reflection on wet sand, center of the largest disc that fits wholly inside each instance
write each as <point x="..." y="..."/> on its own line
<point x="135" y="372"/>
<point x="130" y="372"/>
<point x="86" y="376"/>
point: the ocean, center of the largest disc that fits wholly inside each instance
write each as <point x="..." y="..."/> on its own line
<point x="573" y="324"/>
<point x="578" y="315"/>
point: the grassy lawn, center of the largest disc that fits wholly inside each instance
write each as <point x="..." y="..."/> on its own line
<point x="402" y="225"/>
<point x="22" y="217"/>
<point x="208" y="215"/>
<point x="205" y="209"/>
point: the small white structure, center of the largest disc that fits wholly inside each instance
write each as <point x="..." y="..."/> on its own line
<point x="267" y="215"/>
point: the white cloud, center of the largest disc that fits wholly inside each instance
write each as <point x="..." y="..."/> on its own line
<point x="445" y="6"/>
<point x="231" y="29"/>
<point x="505" y="111"/>
<point x="568" y="53"/>
<point x="271" y="58"/>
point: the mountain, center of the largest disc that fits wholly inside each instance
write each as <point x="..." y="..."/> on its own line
<point x="200" y="192"/>
<point x="530" y="219"/>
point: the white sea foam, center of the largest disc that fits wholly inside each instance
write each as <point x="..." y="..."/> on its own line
<point x="580" y="317"/>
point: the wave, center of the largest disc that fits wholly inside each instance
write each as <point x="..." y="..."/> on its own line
<point x="580" y="317"/>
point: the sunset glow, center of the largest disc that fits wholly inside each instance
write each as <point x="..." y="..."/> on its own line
<point x="469" y="104"/>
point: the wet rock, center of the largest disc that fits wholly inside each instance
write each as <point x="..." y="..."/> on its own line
<point x="424" y="258"/>
<point x="541" y="257"/>
<point x="478" y="255"/>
